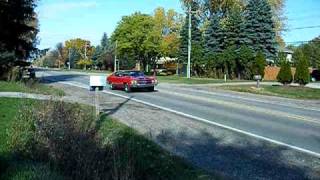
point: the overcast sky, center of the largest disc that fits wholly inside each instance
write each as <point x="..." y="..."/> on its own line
<point x="61" y="20"/>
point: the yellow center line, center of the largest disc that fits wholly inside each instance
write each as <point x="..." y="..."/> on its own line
<point x="245" y="106"/>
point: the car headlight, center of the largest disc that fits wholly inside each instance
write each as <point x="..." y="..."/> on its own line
<point x="154" y="81"/>
<point x="134" y="82"/>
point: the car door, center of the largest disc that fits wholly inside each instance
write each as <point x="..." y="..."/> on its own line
<point x="124" y="78"/>
<point x="117" y="79"/>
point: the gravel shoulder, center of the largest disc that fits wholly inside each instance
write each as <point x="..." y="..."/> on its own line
<point x="212" y="148"/>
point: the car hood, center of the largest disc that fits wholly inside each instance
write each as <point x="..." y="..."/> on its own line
<point x="144" y="78"/>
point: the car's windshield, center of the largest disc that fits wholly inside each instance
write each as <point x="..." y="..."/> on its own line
<point x="136" y="73"/>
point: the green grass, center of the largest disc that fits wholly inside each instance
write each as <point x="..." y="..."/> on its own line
<point x="36" y="88"/>
<point x="145" y="156"/>
<point x="184" y="80"/>
<point x="281" y="91"/>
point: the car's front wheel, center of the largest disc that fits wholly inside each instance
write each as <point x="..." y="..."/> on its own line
<point x="127" y="88"/>
<point x="111" y="86"/>
<point x="151" y="88"/>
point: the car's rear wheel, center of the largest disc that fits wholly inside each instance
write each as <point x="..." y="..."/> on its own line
<point x="127" y="88"/>
<point x="92" y="88"/>
<point x="151" y="88"/>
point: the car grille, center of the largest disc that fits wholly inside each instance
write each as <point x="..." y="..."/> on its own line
<point x="145" y="81"/>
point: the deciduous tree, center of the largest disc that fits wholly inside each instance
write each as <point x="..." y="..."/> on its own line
<point x="137" y="38"/>
<point x="82" y="48"/>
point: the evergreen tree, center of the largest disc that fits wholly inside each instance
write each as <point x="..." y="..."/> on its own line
<point x="195" y="34"/>
<point x="302" y="75"/>
<point x="214" y="37"/>
<point x="96" y="55"/>
<point x="233" y="26"/>
<point x="259" y="64"/>
<point x="285" y="74"/>
<point x="105" y="42"/>
<point x="258" y="28"/>
<point x="103" y="55"/>
<point x="18" y="31"/>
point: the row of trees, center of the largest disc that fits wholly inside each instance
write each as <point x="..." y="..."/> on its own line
<point x="304" y="56"/>
<point x="18" y="31"/>
<point x="78" y="52"/>
<point x="302" y="74"/>
<point x="235" y="39"/>
<point x="232" y="37"/>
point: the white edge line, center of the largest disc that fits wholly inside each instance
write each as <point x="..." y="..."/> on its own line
<point x="210" y="122"/>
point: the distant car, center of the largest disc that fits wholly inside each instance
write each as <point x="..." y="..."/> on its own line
<point x="162" y="72"/>
<point x="129" y="80"/>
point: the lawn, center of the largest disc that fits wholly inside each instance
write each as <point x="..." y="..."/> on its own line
<point x="34" y="87"/>
<point x="184" y="80"/>
<point x="135" y="152"/>
<point x="294" y="92"/>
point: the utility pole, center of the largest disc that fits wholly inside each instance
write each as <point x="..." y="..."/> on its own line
<point x="115" y="57"/>
<point x="189" y="46"/>
<point x="85" y="55"/>
<point x="69" y="64"/>
<point x="85" y="51"/>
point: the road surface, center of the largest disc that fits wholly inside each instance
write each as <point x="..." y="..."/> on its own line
<point x="292" y="123"/>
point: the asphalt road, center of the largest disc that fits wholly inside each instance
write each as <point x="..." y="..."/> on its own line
<point x="293" y="123"/>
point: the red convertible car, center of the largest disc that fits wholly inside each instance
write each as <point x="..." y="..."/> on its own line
<point x="129" y="80"/>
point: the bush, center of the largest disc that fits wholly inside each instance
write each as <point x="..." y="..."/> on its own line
<point x="302" y="75"/>
<point x="259" y="64"/>
<point x="74" y="142"/>
<point x="63" y="134"/>
<point x="285" y="74"/>
<point x="23" y="133"/>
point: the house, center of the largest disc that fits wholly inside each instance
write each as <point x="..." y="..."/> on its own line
<point x="288" y="53"/>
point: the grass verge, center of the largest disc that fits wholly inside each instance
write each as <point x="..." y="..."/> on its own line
<point x="293" y="92"/>
<point x="115" y="151"/>
<point x="183" y="80"/>
<point x="29" y="87"/>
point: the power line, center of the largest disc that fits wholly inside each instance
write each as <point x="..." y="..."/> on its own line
<point x="302" y="42"/>
<point x="304" y="27"/>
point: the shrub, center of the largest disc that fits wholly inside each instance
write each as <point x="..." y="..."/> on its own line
<point x="302" y="75"/>
<point x="285" y="74"/>
<point x="259" y="64"/>
<point x="63" y="134"/>
<point x="74" y="142"/>
<point x="23" y="133"/>
<point x="244" y="62"/>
